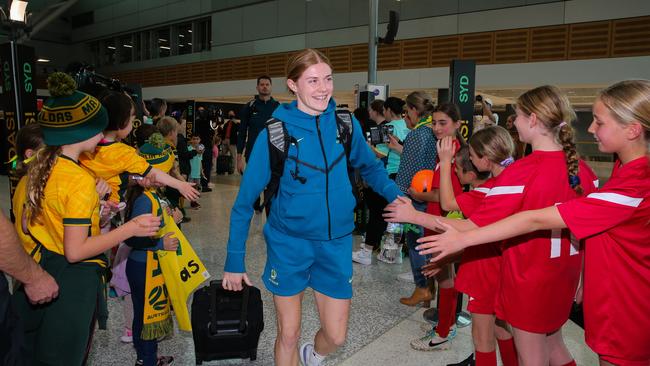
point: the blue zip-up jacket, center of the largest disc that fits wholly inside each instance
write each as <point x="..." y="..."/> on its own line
<point x="321" y="208"/>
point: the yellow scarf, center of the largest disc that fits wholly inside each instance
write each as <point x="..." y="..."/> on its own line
<point x="182" y="270"/>
<point x="157" y="321"/>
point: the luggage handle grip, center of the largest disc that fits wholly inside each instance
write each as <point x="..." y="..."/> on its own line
<point x="243" y="323"/>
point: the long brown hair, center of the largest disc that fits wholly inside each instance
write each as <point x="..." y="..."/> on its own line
<point x="37" y="176"/>
<point x="452" y="110"/>
<point x="554" y="111"/>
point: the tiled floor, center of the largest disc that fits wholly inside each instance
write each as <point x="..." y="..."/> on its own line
<point x="380" y="328"/>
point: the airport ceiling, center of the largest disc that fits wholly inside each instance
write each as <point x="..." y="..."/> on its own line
<point x="581" y="96"/>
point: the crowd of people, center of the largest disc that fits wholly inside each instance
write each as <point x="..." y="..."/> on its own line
<point x="512" y="218"/>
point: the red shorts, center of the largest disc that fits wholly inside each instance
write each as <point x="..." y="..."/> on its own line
<point x="478" y="277"/>
<point x="481" y="305"/>
<point x="620" y="362"/>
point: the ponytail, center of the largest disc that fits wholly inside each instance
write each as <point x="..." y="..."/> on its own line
<point x="554" y="111"/>
<point x="565" y="137"/>
<point x="38" y="174"/>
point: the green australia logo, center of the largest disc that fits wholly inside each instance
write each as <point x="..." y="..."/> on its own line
<point x="274" y="276"/>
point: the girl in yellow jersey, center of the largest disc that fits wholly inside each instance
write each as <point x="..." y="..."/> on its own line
<point x="114" y="161"/>
<point x="63" y="216"/>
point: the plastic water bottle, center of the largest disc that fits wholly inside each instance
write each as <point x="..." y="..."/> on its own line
<point x="391" y="247"/>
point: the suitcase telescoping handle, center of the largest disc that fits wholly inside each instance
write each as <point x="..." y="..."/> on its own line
<point x="213" y="307"/>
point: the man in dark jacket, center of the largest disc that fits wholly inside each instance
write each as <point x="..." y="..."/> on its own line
<point x="253" y="118"/>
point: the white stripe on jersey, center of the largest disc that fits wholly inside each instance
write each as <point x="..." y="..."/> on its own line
<point x="617" y="198"/>
<point x="505" y="190"/>
<point x="597" y="183"/>
<point x="482" y="189"/>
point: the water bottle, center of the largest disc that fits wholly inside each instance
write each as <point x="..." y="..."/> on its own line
<point x="391" y="248"/>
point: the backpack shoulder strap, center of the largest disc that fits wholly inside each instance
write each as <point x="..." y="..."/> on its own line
<point x="345" y="128"/>
<point x="278" y="140"/>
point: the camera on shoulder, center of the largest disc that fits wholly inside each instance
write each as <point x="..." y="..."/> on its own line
<point x="380" y="134"/>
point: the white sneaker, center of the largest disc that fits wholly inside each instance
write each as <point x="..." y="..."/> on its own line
<point x="362" y="256"/>
<point x="127" y="336"/>
<point x="406" y="277"/>
<point x="432" y="341"/>
<point x="308" y="356"/>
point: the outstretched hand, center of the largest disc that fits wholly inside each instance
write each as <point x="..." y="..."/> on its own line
<point x="442" y="245"/>
<point x="400" y="210"/>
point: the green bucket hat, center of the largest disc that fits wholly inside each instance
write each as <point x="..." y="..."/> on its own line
<point x="69" y="116"/>
<point x="154" y="152"/>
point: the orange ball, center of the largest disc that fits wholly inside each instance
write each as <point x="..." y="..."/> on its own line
<point x="422" y="181"/>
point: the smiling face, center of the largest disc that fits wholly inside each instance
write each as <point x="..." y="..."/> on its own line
<point x="608" y="132"/>
<point x="313" y="89"/>
<point x="443" y="125"/>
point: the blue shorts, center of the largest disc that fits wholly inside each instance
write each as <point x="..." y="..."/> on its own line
<point x="293" y="264"/>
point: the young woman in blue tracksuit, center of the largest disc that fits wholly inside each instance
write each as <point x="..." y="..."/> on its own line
<point x="308" y="231"/>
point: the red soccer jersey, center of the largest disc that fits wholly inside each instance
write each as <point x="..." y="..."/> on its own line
<point x="480" y="268"/>
<point x="616" y="224"/>
<point x="433" y="208"/>
<point x="540" y="270"/>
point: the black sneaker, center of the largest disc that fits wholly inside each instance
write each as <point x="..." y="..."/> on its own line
<point x="165" y="361"/>
<point x="469" y="361"/>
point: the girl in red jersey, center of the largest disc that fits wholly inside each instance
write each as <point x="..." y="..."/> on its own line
<point x="445" y="123"/>
<point x="615" y="222"/>
<point x="540" y="271"/>
<point x="490" y="150"/>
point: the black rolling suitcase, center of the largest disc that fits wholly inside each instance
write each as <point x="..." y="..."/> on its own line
<point x="225" y="164"/>
<point x="226" y="324"/>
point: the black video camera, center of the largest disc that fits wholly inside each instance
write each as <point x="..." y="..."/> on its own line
<point x="479" y="98"/>
<point x="380" y="134"/>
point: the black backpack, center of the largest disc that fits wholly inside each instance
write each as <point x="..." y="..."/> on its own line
<point x="279" y="141"/>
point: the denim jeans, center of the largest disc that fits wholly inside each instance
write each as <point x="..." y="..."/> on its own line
<point x="147" y="351"/>
<point x="417" y="260"/>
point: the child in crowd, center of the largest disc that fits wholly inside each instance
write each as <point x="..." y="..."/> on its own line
<point x="28" y="141"/>
<point x="614" y="221"/>
<point x="445" y="124"/>
<point x="196" y="168"/>
<point x="490" y="151"/>
<point x="539" y="272"/>
<point x="114" y="161"/>
<point x="142" y="260"/>
<point x="63" y="215"/>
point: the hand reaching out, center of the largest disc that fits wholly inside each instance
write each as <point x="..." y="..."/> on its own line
<point x="442" y="245"/>
<point x="400" y="210"/>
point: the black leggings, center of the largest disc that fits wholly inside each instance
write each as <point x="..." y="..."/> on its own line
<point x="376" y="224"/>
